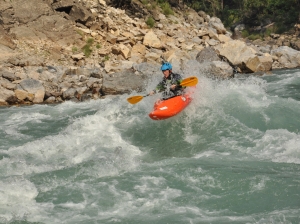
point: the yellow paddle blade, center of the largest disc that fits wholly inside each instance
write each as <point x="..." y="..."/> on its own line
<point x="190" y="81"/>
<point x="134" y="99"/>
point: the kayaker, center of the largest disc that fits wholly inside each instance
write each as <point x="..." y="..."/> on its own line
<point x="170" y="84"/>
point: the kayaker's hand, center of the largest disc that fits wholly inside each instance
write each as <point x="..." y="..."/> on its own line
<point x="173" y="87"/>
<point x="151" y="93"/>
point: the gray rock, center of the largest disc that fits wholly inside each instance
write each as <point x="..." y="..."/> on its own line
<point x="220" y="69"/>
<point x="146" y="68"/>
<point x="123" y="82"/>
<point x="34" y="87"/>
<point x="51" y="99"/>
<point x="8" y="75"/>
<point x="288" y="57"/>
<point x="7" y="96"/>
<point x="207" y="54"/>
<point x="7" y="84"/>
<point x="96" y="73"/>
<point x="30" y="11"/>
<point x="69" y="94"/>
<point x="31" y="85"/>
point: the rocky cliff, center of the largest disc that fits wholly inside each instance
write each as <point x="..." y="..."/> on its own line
<point x="57" y="50"/>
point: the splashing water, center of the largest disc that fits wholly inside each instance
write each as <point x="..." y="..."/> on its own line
<point x="232" y="156"/>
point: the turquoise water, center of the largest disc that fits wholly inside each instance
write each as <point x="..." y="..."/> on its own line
<point x="233" y="156"/>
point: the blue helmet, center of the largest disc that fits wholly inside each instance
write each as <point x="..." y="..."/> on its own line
<point x="166" y="66"/>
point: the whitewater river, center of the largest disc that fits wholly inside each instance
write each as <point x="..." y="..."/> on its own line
<point x="233" y="156"/>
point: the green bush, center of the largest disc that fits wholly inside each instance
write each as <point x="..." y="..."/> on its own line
<point x="254" y="36"/>
<point x="268" y="32"/>
<point x="230" y="16"/>
<point x="152" y="6"/>
<point x="87" y="50"/>
<point x="150" y="22"/>
<point x="74" y="49"/>
<point x="79" y="32"/>
<point x="245" y="33"/>
<point x="166" y="9"/>
<point x="106" y="58"/>
<point x="280" y="28"/>
<point x="90" y="41"/>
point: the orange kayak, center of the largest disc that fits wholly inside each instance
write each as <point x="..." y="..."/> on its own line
<point x="164" y="109"/>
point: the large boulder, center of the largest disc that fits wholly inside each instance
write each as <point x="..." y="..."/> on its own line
<point x="151" y="40"/>
<point x="210" y="69"/>
<point x="76" y="11"/>
<point x="123" y="82"/>
<point x="7" y="84"/>
<point x="137" y="53"/>
<point x="146" y="69"/>
<point x="220" y="70"/>
<point x="18" y="12"/>
<point x="7" y="75"/>
<point x="243" y="57"/>
<point x="236" y="52"/>
<point x="6" y="40"/>
<point x="287" y="57"/>
<point x="217" y="24"/>
<point x="34" y="87"/>
<point x="260" y="63"/>
<point x="207" y="54"/>
<point x="52" y="28"/>
<point x="7" y="96"/>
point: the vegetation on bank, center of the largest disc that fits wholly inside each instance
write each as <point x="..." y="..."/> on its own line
<point x="255" y="14"/>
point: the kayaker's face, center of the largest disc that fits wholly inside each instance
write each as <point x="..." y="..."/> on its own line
<point x="166" y="73"/>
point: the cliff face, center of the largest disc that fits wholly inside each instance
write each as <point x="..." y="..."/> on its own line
<point x="78" y="33"/>
<point x="77" y="50"/>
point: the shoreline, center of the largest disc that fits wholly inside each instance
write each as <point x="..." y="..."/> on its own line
<point x="237" y="75"/>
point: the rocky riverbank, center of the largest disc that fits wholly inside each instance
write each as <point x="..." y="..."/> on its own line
<point x="58" y="50"/>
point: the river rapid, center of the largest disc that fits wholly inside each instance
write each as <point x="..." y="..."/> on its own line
<point x="232" y="156"/>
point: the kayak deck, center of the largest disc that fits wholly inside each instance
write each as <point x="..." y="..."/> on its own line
<point x="164" y="109"/>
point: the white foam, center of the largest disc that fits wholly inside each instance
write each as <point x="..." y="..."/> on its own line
<point x="258" y="183"/>
<point x="277" y="146"/>
<point x="278" y="216"/>
<point x="211" y="153"/>
<point x="21" y="118"/>
<point x="17" y="198"/>
<point x="85" y="139"/>
<point x="16" y="122"/>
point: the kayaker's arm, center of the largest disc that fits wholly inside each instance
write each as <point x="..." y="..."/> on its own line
<point x="159" y="88"/>
<point x="177" y="86"/>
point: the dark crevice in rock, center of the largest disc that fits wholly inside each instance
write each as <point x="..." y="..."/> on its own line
<point x="132" y="8"/>
<point x="65" y="9"/>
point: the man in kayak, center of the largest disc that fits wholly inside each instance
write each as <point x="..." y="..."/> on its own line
<point x="170" y="85"/>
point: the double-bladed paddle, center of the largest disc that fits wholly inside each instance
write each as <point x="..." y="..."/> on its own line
<point x="190" y="81"/>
